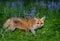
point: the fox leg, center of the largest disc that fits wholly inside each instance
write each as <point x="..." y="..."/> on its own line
<point x="27" y="30"/>
<point x="33" y="32"/>
<point x="11" y="27"/>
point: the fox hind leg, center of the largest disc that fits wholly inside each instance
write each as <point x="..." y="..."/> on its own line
<point x="11" y="27"/>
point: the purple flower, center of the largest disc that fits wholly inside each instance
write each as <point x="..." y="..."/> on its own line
<point x="13" y="5"/>
<point x="36" y="2"/>
<point x="32" y="12"/>
<point x="49" y="7"/>
<point x="59" y="3"/>
<point x="55" y="5"/>
<point x="42" y="3"/>
<point x="20" y="4"/>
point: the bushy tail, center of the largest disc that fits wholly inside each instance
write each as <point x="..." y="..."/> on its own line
<point x="6" y="24"/>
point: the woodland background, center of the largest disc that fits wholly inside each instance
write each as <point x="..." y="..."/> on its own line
<point x="31" y="9"/>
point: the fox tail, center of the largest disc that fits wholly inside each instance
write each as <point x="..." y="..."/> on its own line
<point x="6" y="24"/>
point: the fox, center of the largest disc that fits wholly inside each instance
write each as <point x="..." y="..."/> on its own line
<point x="24" y="24"/>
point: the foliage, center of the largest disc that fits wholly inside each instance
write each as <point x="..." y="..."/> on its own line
<point x="49" y="32"/>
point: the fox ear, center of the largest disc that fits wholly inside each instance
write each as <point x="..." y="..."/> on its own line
<point x="35" y="18"/>
<point x="43" y="18"/>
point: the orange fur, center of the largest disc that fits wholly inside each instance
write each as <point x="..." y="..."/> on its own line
<point x="25" y="24"/>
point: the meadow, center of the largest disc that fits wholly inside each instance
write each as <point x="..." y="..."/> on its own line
<point x="30" y="9"/>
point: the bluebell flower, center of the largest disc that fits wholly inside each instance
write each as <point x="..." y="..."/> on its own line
<point x="59" y="3"/>
<point x="20" y="4"/>
<point x="50" y="6"/>
<point x="55" y="5"/>
<point x="13" y="5"/>
<point x="33" y="10"/>
<point x="32" y="14"/>
<point x="42" y="3"/>
<point x="36" y="2"/>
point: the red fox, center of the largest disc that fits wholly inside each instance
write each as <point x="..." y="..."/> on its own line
<point x="25" y="24"/>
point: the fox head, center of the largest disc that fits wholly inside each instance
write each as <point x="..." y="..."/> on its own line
<point x="40" y="21"/>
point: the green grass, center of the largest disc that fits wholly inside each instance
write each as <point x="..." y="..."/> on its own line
<point x="49" y="32"/>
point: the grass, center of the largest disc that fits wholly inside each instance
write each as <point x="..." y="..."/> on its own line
<point x="49" y="32"/>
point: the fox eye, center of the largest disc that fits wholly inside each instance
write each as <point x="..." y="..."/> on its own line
<point x="41" y="23"/>
<point x="37" y="23"/>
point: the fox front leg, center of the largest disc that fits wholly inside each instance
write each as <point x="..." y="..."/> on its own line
<point x="27" y="31"/>
<point x="33" y="32"/>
